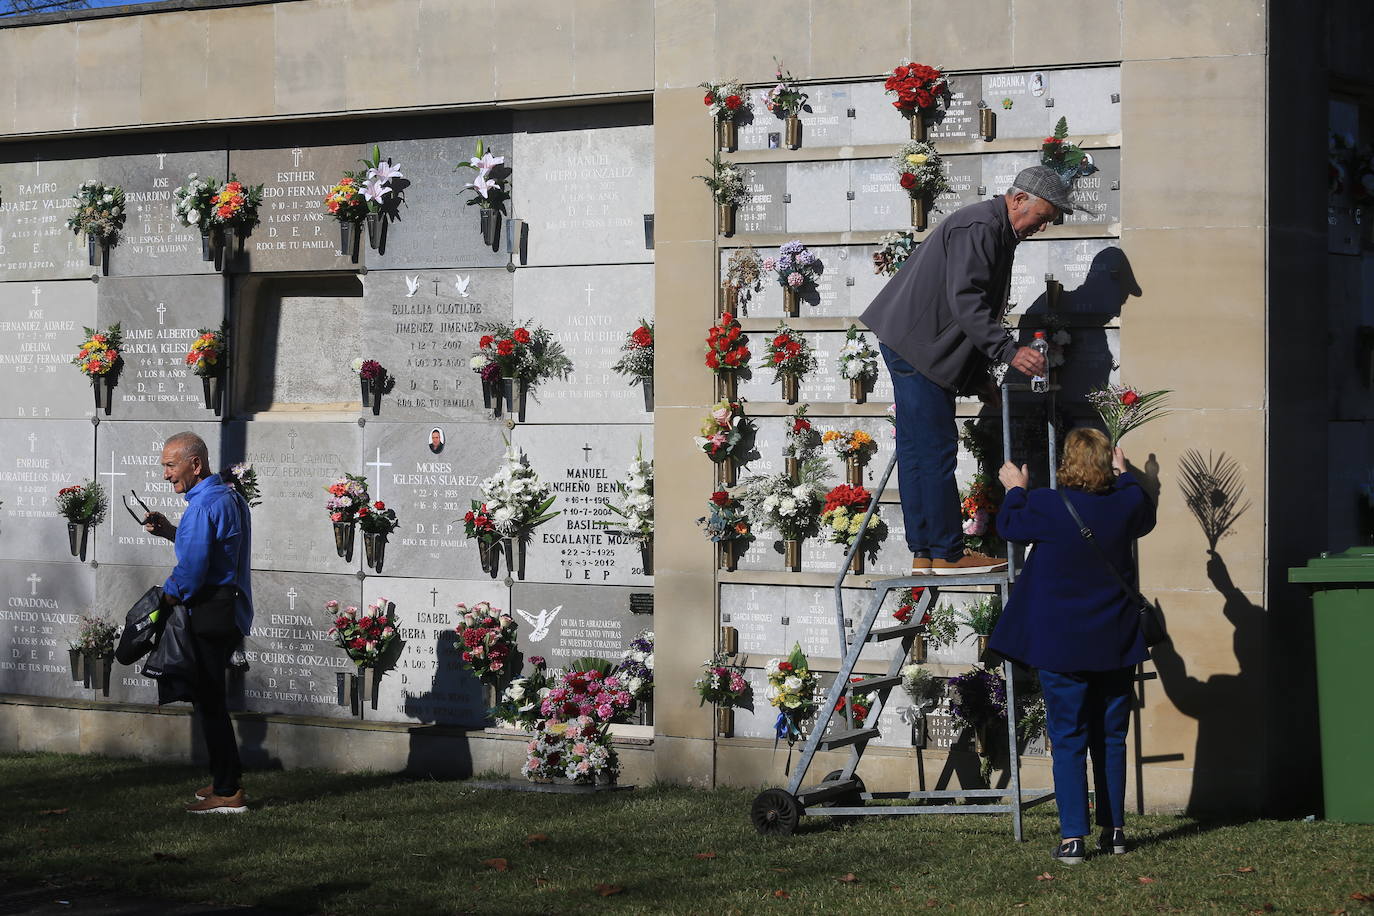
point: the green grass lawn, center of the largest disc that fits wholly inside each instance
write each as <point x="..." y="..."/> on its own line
<point x="372" y="843"/>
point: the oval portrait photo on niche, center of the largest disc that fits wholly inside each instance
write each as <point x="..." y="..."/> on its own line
<point x="436" y="440"/>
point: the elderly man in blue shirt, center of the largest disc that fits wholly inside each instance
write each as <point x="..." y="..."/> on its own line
<point x="211" y="579"/>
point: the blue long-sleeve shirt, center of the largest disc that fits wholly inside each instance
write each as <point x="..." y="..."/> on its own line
<point x="214" y="546"/>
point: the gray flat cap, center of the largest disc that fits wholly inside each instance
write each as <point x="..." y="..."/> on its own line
<point x="1046" y="184"/>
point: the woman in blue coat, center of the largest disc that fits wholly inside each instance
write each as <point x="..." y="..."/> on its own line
<point x="1069" y="618"/>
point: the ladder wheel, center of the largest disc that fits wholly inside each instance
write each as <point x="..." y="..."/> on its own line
<point x="775" y="813"/>
<point x="848" y="800"/>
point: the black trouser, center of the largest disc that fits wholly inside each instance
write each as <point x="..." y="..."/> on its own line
<point x="215" y="641"/>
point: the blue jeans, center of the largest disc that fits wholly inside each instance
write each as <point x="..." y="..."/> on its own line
<point x="1088" y="712"/>
<point x="927" y="449"/>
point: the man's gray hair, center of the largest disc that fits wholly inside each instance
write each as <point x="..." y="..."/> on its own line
<point x="1015" y="190"/>
<point x="188" y="444"/>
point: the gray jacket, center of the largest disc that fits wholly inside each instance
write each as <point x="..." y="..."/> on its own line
<point x="942" y="311"/>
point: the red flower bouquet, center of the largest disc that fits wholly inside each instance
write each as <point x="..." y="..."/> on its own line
<point x="487" y="637"/>
<point x="917" y="87"/>
<point x="727" y="347"/>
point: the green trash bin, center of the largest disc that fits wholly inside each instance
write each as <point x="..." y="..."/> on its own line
<point x="1343" y="619"/>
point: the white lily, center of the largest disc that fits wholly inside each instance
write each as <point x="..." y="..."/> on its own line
<point x="482" y="184"/>
<point x="375" y="191"/>
<point x="486" y="162"/>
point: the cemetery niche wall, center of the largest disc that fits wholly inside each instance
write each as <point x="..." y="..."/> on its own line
<point x="300" y="311"/>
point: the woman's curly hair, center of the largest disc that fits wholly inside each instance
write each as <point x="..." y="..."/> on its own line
<point x="1087" y="462"/>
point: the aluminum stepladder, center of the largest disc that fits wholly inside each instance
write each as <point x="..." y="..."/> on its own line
<point x="842" y="792"/>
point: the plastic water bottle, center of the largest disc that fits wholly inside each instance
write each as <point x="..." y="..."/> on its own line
<point x="1041" y="383"/>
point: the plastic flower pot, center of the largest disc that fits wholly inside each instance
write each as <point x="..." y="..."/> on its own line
<point x="918" y="125"/>
<point x="103" y="388"/>
<point x="791" y="554"/>
<point x="727" y="135"/>
<point x="647" y="383"/>
<point x="490" y="554"/>
<point x="364" y="692"/>
<point x="515" y="392"/>
<point x="227" y="246"/>
<point x="374" y="230"/>
<point x="366" y="391"/>
<point x="76" y="537"/>
<point x="858" y="391"/>
<point x="791" y="301"/>
<point x="793" y="128"/>
<point x="514" y="551"/>
<point x="343" y="540"/>
<point x="725" y="219"/>
<point x="646" y="554"/>
<point x="207" y="246"/>
<point x="349" y="234"/>
<point x="486" y="392"/>
<point x="78" y="663"/>
<point x="491" y="228"/>
<point x="212" y="387"/>
<point x="374" y="549"/>
<point x="375" y="386"/>
<point x="791" y="385"/>
<point x="97" y="670"/>
<point x="99" y="253"/>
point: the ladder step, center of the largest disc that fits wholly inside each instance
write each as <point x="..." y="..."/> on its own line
<point x="846" y="738"/>
<point x="897" y="632"/>
<point x="811" y="795"/>
<point x="868" y="685"/>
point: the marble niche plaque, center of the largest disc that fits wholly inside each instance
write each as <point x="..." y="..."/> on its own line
<point x="1001" y="169"/>
<point x="1096" y="197"/>
<point x="160" y="318"/>
<point x="590" y="310"/>
<point x="818" y="197"/>
<point x="1084" y="96"/>
<point x="436" y="227"/>
<point x="964" y="175"/>
<point x="824" y="384"/>
<point x="296" y="231"/>
<point x="584" y="191"/>
<point x="35" y="243"/>
<point x="959" y="120"/>
<point x="1096" y="274"/>
<point x="430" y="682"/>
<point x="825" y="119"/>
<point x="295" y="462"/>
<point x="875" y="122"/>
<point x="575" y="547"/>
<point x="37" y="460"/>
<point x="430" y="491"/>
<point x="128" y="457"/>
<point x="291" y="364"/>
<point x="40" y="331"/>
<point x="424" y="327"/>
<point x="40" y="616"/>
<point x="879" y="201"/>
<point x="829" y="297"/>
<point x="765" y="210"/>
<point x="772" y="618"/>
<point x="116" y="590"/>
<point x="1028" y="271"/>
<point x="564" y="624"/>
<point x="153" y="240"/>
<point x="293" y="661"/>
<point x="761" y="720"/>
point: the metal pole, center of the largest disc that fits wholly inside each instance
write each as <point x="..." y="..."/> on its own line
<point x="1006" y="456"/>
<point x="858" y="541"/>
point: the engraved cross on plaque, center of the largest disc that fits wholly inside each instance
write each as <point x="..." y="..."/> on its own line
<point x="296" y="155"/>
<point x="588" y="291"/>
<point x="162" y="313"/>
<point x="433" y="597"/>
<point x="36" y="293"/>
<point x="33" y="440"/>
<point x="33" y="580"/>
<point x="379" y="464"/>
<point x="112" y="473"/>
<point x="586" y="454"/>
<point x="291" y="596"/>
<point x="436" y="286"/>
<point x="292" y="436"/>
<point x="161" y="161"/>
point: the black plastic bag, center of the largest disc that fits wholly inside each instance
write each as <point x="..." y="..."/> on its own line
<point x="142" y="626"/>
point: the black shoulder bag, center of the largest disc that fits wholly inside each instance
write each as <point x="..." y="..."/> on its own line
<point x="1151" y="620"/>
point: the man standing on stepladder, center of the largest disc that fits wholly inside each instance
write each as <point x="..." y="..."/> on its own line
<point x="939" y="326"/>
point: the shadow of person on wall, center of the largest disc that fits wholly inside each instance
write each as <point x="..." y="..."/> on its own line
<point x="454" y="703"/>
<point x="1228" y="763"/>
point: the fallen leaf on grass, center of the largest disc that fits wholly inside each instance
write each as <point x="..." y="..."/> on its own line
<point x="168" y="857"/>
<point x="1144" y="880"/>
<point x="540" y="882"/>
<point x="1245" y="869"/>
<point x="780" y="869"/>
<point x="782" y="895"/>
<point x="703" y="855"/>
<point x="1044" y="876"/>
<point x="1362" y="897"/>
<point x="932" y="903"/>
<point x="607" y="890"/>
<point x="498" y="864"/>
<point x="536" y="838"/>
<point x="55" y="811"/>
<point x="849" y="878"/>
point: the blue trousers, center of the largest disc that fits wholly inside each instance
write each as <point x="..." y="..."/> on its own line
<point x="927" y="449"/>
<point x="1088" y="713"/>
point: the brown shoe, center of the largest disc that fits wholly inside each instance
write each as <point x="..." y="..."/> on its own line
<point x="206" y="792"/>
<point x="971" y="563"/>
<point x="219" y="804"/>
<point x="920" y="566"/>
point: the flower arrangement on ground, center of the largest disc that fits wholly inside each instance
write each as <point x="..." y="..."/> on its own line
<point x="603" y="698"/>
<point x="517" y="499"/>
<point x="921" y="173"/>
<point x="842" y="516"/>
<point x="528" y="356"/>
<point x="858" y="360"/>
<point x="723" y="684"/>
<point x="522" y="701"/>
<point x="727" y="347"/>
<point x="919" y="88"/>
<point x="723" y="431"/>
<point x="366" y="637"/>
<point x="893" y="250"/>
<point x="576" y="749"/>
<point x="637" y="489"/>
<point x="244" y="479"/>
<point x="98" y="355"/>
<point x="785" y="99"/>
<point x="490" y="189"/>
<point x="82" y="504"/>
<point x="208" y="354"/>
<point x="487" y="639"/>
<point x="792" y="690"/>
<point x="789" y="354"/>
<point x="743" y="278"/>
<point x="347" y="495"/>
<point x="638" y="362"/>
<point x="727" y="100"/>
<point x="854" y="444"/>
<point x="635" y="670"/>
<point x="1067" y="159"/>
<point x="802" y="440"/>
<point x="99" y="212"/>
<point x="796" y="270"/>
<point x="95" y="637"/>
<point x="1124" y="409"/>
